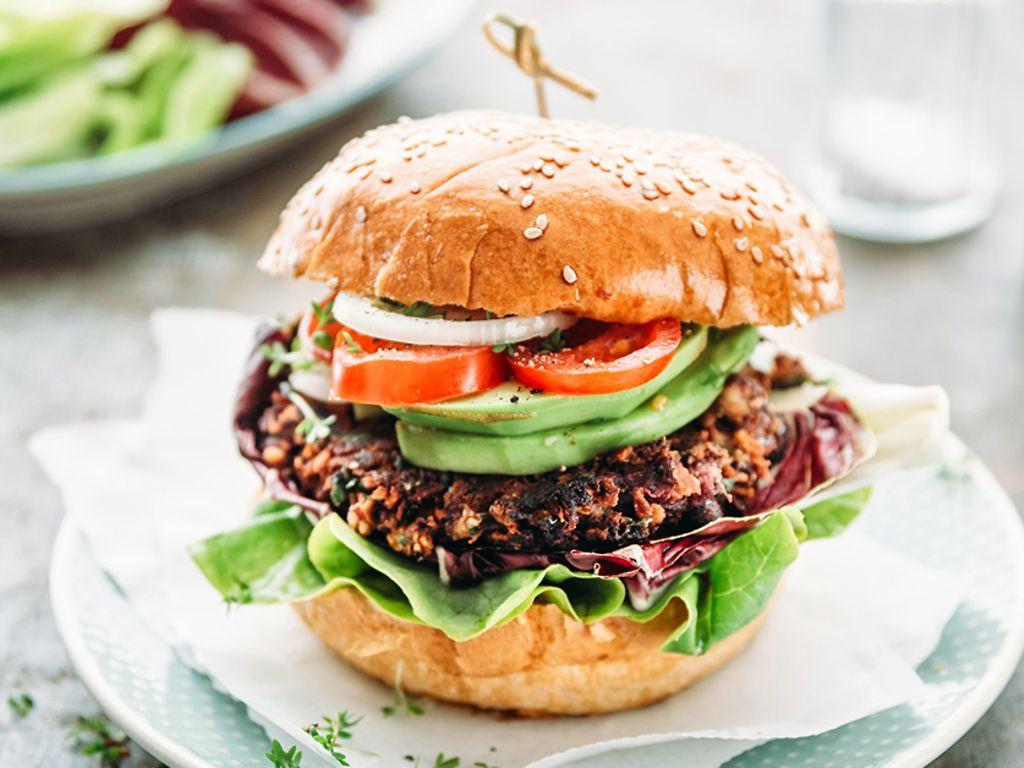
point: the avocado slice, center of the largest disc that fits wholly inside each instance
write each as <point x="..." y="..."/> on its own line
<point x="681" y="400"/>
<point x="512" y="409"/>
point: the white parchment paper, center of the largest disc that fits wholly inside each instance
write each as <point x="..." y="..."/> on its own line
<point x="853" y="620"/>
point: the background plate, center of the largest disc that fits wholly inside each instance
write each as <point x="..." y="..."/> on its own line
<point x="385" y="45"/>
<point x="957" y="517"/>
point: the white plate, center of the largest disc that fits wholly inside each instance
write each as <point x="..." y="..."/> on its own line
<point x="958" y="517"/>
<point x="385" y="45"/>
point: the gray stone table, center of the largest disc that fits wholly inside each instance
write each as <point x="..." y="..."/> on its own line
<point x="73" y="307"/>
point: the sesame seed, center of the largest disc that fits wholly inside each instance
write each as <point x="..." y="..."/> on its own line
<point x="532" y="233"/>
<point x="360" y="214"/>
<point x="651" y="194"/>
<point x="805" y="219"/>
<point x="407" y="157"/>
<point x="525" y="168"/>
<point x="730" y="195"/>
<point x="526" y="183"/>
<point x="777" y="251"/>
<point x="699" y="229"/>
<point x="641" y="168"/>
<point x="569" y="274"/>
<point x="503" y="185"/>
<point x="741" y="244"/>
<point x="752" y="186"/>
<point x="316" y="222"/>
<point x="414" y="187"/>
<point x="689" y="186"/>
<point x="605" y="165"/>
<point x="365" y="172"/>
<point x="560" y="159"/>
<point x="547" y="156"/>
<point x="756" y="253"/>
<point x="628" y="179"/>
<point x="647" y="184"/>
<point x="386" y="177"/>
<point x="663" y="187"/>
<point x="542" y="221"/>
<point x="527" y="201"/>
<point x="737" y="222"/>
<point x="778" y="206"/>
<point x="756" y="212"/>
<point x="595" y="160"/>
<point x="333" y="282"/>
<point x="537" y="165"/>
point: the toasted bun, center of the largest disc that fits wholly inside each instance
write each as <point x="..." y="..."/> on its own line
<point x="639" y="224"/>
<point x="541" y="663"/>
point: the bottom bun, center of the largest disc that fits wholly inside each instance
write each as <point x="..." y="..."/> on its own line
<point x="543" y="662"/>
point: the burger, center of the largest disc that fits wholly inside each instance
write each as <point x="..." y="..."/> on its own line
<point x="528" y="450"/>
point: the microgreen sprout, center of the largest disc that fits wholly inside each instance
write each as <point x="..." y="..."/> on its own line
<point x="279" y="758"/>
<point x="100" y="738"/>
<point x="312" y="427"/>
<point x="333" y="730"/>
<point x="352" y="344"/>
<point x="554" y="341"/>
<point x="403" y="703"/>
<point x="20" y="703"/>
<point x="281" y="357"/>
<point x="505" y="348"/>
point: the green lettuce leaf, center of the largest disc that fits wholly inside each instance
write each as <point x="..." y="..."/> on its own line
<point x="280" y="556"/>
<point x="831" y="517"/>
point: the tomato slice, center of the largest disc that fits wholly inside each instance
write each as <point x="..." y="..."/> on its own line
<point x="598" y="358"/>
<point x="379" y="372"/>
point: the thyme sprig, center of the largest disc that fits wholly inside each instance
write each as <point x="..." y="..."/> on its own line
<point x="333" y="730"/>
<point x="312" y="427"/>
<point x="100" y="738"/>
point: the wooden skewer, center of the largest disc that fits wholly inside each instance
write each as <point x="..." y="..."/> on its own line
<point x="525" y="52"/>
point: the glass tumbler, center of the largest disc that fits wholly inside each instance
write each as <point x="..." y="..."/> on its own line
<point x="905" y="148"/>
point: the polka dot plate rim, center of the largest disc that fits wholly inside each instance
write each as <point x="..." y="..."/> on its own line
<point x="177" y="715"/>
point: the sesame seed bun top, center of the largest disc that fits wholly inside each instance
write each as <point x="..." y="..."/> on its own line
<point x="521" y="215"/>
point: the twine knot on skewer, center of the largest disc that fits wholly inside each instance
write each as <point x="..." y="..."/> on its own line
<point x="525" y="52"/>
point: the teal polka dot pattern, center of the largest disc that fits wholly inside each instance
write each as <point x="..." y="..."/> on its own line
<point x="149" y="678"/>
<point x="943" y="519"/>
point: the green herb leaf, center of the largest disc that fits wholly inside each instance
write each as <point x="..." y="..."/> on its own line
<point x="333" y="730"/>
<point x="403" y="702"/>
<point x="506" y="348"/>
<point x="324" y="314"/>
<point x="312" y="427"/>
<point x="554" y="341"/>
<point x="20" y="703"/>
<point x="281" y="357"/>
<point x="446" y="762"/>
<point x="353" y="347"/>
<point x="281" y="759"/>
<point x="323" y="340"/>
<point x="100" y="738"/>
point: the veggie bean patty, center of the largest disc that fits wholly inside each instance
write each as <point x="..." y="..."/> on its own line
<point x="711" y="468"/>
